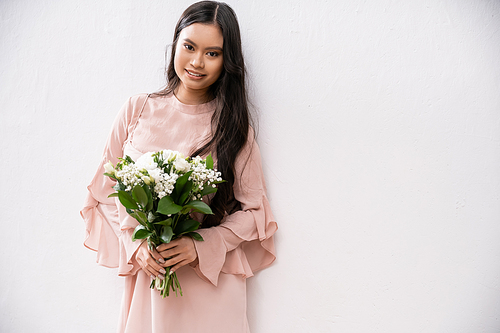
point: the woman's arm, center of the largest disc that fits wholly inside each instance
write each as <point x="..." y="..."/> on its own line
<point x="100" y="213"/>
<point x="243" y="243"/>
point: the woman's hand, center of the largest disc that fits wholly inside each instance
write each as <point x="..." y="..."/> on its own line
<point x="150" y="261"/>
<point x="178" y="253"/>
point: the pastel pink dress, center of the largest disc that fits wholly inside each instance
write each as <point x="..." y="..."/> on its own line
<point x="215" y="290"/>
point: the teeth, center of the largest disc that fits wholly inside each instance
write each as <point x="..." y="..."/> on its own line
<point x="194" y="74"/>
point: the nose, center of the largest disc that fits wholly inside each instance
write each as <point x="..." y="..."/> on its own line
<point x="197" y="60"/>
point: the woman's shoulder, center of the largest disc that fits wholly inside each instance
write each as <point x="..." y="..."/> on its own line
<point x="251" y="146"/>
<point x="251" y="138"/>
<point x="131" y="108"/>
<point x="136" y="103"/>
<point x="252" y="134"/>
<point x="137" y="99"/>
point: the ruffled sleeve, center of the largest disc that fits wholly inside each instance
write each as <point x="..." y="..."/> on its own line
<point x="243" y="243"/>
<point x="103" y="233"/>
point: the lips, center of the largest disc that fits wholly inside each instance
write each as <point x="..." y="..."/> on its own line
<point x="194" y="74"/>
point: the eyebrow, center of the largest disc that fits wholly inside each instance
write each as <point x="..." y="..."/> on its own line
<point x="208" y="48"/>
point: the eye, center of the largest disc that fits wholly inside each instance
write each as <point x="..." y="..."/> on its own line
<point x="188" y="47"/>
<point x="212" y="54"/>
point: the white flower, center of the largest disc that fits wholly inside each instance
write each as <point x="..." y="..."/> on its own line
<point x="182" y="165"/>
<point x="129" y="176"/>
<point x="147" y="180"/>
<point x="146" y="162"/>
<point x="109" y="168"/>
<point x="155" y="174"/>
<point x="170" y="155"/>
<point x="151" y="217"/>
<point x="165" y="184"/>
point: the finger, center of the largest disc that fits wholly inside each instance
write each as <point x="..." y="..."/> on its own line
<point x="175" y="247"/>
<point x="172" y="261"/>
<point x="153" y="273"/>
<point x="141" y="257"/>
<point x="166" y="246"/>
<point x="148" y="272"/>
<point x="150" y="266"/>
<point x="184" y="251"/>
<point x="188" y="257"/>
<point x="145" y="268"/>
<point x="170" y="253"/>
<point x="156" y="256"/>
<point x="154" y="267"/>
<point x="177" y="266"/>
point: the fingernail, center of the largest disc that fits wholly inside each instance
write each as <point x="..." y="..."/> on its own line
<point x="162" y="260"/>
<point x="153" y="277"/>
<point x="162" y="271"/>
<point x="171" y="272"/>
<point x="161" y="276"/>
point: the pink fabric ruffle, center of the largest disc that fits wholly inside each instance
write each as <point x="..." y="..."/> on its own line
<point x="241" y="245"/>
<point x="103" y="233"/>
<point x="233" y="250"/>
<point x="101" y="220"/>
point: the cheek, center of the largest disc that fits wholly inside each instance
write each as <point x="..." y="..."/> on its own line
<point x="176" y="64"/>
<point x="218" y="67"/>
<point x="178" y="61"/>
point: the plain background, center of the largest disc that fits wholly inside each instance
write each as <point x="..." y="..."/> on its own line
<point x="380" y="138"/>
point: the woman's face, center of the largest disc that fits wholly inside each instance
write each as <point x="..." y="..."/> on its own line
<point x="198" y="60"/>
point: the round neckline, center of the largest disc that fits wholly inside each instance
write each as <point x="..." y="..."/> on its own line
<point x="191" y="108"/>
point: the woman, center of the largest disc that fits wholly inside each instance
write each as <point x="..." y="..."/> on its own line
<point x="202" y="110"/>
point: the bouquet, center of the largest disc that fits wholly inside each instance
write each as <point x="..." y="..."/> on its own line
<point x="161" y="190"/>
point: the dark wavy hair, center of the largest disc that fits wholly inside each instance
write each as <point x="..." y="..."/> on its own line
<point x="231" y="120"/>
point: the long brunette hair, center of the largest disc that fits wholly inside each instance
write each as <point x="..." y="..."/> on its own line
<point x="231" y="120"/>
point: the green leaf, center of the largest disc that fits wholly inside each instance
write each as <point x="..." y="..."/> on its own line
<point x="167" y="222"/>
<point x="167" y="206"/>
<point x="179" y="186"/>
<point x="166" y="234"/>
<point x="146" y="189"/>
<point x="115" y="194"/>
<point x="140" y="233"/>
<point x="209" y="162"/>
<point x="186" y="190"/>
<point x="196" y="236"/>
<point x="208" y="189"/>
<point x="141" y="217"/>
<point x="127" y="200"/>
<point x="186" y="226"/>
<point x="110" y="175"/>
<point x="199" y="206"/>
<point x="140" y="195"/>
<point x="128" y="159"/>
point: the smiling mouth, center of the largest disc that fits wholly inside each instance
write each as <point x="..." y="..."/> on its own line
<point x="194" y="74"/>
